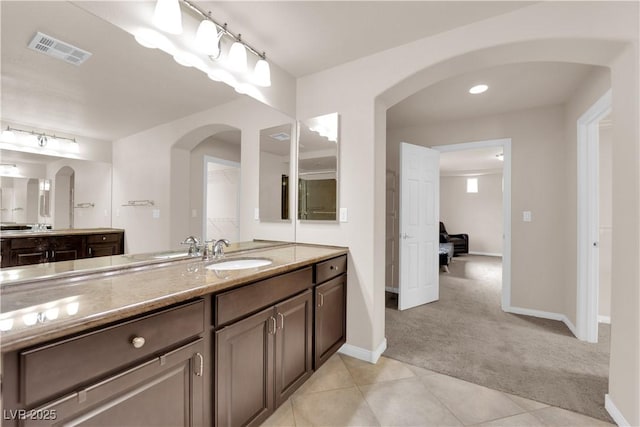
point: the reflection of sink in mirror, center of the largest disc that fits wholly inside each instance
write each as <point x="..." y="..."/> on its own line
<point x="170" y="255"/>
<point x="240" y="264"/>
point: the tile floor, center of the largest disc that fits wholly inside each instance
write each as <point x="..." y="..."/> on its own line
<point x="349" y="392"/>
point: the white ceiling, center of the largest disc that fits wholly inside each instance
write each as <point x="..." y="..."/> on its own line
<point x="124" y="88"/>
<point x="511" y="87"/>
<point x="304" y="37"/>
<point x="471" y="162"/>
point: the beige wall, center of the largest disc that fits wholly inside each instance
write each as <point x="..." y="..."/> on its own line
<point x="92" y="184"/>
<point x="477" y="214"/>
<point x="361" y="90"/>
<point x="605" y="218"/>
<point x="538" y="268"/>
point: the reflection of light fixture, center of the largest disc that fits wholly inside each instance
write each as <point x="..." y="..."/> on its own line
<point x="39" y="140"/>
<point x="167" y="16"/>
<point x="8" y="136"/>
<point x="153" y="40"/>
<point x="478" y="89"/>
<point x="30" y="319"/>
<point x="6" y="324"/>
<point x="72" y="308"/>
<point x="500" y="156"/>
<point x="326" y="126"/>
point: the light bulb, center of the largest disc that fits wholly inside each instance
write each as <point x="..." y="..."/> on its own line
<point x="30" y="319"/>
<point x="167" y="16"/>
<point x="262" y="73"/>
<point x="208" y="39"/>
<point x="72" y="308"/>
<point x="52" y="313"/>
<point x="237" y="58"/>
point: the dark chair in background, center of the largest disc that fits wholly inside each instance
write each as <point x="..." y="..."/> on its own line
<point x="460" y="241"/>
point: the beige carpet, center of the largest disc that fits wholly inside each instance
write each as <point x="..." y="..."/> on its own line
<point x="466" y="335"/>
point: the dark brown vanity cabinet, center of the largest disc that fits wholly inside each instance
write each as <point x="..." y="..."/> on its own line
<point x="17" y="251"/>
<point x="330" y="308"/>
<point x="261" y="360"/>
<point x="150" y="370"/>
<point x="104" y="245"/>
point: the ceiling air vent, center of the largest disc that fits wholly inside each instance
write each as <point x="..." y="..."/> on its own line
<point x="280" y="136"/>
<point x="58" y="49"/>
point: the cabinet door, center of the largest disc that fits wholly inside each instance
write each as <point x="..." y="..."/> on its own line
<point x="293" y="351"/>
<point x="244" y="371"/>
<point x="165" y="391"/>
<point x="66" y="248"/>
<point x="331" y="321"/>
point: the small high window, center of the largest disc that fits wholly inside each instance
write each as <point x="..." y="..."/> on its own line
<point x="472" y="185"/>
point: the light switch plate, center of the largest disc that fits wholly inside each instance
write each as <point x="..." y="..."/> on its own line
<point x="344" y="215"/>
<point x="256" y="214"/>
<point x="156" y="213"/>
<point x="526" y="216"/>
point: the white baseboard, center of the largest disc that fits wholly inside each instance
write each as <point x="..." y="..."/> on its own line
<point x="390" y="289"/>
<point x="485" y="253"/>
<point x="615" y="413"/>
<point x="362" y="354"/>
<point x="543" y="315"/>
<point x="604" y="319"/>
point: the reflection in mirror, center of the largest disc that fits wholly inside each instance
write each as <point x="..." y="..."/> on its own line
<point x="318" y="168"/>
<point x="45" y="198"/>
<point x="19" y="200"/>
<point x="275" y="166"/>
<point x="216" y="162"/>
<point x="64" y="189"/>
<point x="54" y="191"/>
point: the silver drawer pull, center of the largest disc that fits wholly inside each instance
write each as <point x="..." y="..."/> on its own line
<point x="281" y="317"/>
<point x="321" y="302"/>
<point x="138" y="342"/>
<point x="334" y="267"/>
<point x="200" y="368"/>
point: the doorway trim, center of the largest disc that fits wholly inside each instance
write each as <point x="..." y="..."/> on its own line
<point x="505" y="143"/>
<point x="588" y="219"/>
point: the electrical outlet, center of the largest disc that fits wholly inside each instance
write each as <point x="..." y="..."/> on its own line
<point x="344" y="215"/>
<point x="156" y="213"/>
<point x="526" y="216"/>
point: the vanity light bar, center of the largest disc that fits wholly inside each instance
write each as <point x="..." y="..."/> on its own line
<point x="40" y="134"/>
<point x="223" y="28"/>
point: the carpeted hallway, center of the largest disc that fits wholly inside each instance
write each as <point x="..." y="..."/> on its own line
<point x="466" y="335"/>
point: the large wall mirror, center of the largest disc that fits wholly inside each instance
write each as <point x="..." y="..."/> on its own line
<point x="318" y="168"/>
<point x="275" y="169"/>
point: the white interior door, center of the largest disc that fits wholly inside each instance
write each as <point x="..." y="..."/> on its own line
<point x="419" y="231"/>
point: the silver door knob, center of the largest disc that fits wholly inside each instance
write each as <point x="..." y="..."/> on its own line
<point x="405" y="236"/>
<point x="138" y="342"/>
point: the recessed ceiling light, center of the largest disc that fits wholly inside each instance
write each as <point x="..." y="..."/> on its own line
<point x="478" y="89"/>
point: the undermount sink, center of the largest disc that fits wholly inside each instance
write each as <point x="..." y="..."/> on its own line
<point x="240" y="264"/>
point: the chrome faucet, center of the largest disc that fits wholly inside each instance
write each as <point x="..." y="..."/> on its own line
<point x="206" y="249"/>
<point x="218" y="249"/>
<point x="194" y="245"/>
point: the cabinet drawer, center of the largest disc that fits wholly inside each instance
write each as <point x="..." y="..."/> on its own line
<point x="61" y="366"/>
<point x="29" y="242"/>
<point x="104" y="238"/>
<point x="248" y="299"/>
<point x="331" y="268"/>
